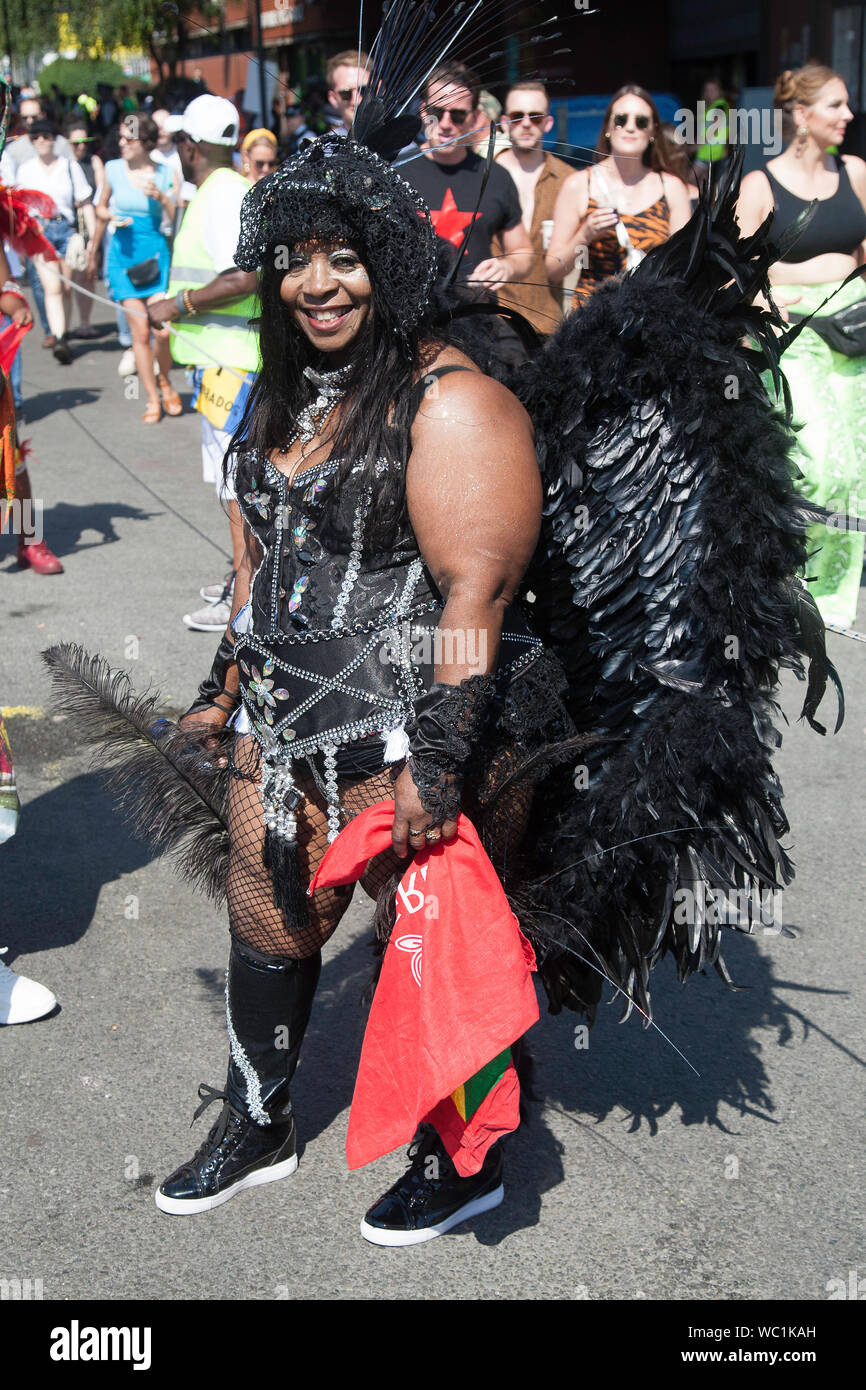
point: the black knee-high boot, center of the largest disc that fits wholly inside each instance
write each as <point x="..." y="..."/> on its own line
<point x="268" y="1003"/>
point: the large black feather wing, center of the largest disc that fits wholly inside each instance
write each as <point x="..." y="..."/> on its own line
<point x="666" y="581"/>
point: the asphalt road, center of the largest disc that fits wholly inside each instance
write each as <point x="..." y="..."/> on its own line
<point x="635" y="1178"/>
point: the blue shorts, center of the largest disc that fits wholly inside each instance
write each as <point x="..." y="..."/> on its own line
<point x="58" y="231"/>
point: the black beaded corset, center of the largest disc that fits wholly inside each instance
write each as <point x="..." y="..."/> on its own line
<point x="337" y="641"/>
<point x="318" y="576"/>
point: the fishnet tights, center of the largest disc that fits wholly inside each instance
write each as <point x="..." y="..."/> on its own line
<point x="253" y="917"/>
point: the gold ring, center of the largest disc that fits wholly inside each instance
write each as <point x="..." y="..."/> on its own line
<point x="432" y="835"/>
<point x="417" y="832"/>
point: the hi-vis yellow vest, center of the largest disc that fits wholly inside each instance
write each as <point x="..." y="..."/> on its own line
<point x="221" y="331"/>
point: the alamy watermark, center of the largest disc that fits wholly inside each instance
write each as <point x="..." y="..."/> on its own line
<point x="738" y="125"/>
<point x="744" y="908"/>
<point x="22" y="517"/>
<point x="848" y="516"/>
<point x="438" y="646"/>
<point x="18" y="1290"/>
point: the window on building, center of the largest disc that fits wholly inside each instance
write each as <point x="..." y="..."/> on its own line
<point x="847" y="56"/>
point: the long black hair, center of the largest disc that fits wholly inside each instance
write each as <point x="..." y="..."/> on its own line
<point x="376" y="418"/>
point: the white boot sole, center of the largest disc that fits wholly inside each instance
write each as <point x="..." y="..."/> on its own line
<point x="379" y="1236"/>
<point x="188" y="1206"/>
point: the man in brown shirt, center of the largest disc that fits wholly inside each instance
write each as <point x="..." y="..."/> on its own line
<point x="538" y="175"/>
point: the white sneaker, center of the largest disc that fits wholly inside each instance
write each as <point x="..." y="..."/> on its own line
<point x="216" y="593"/>
<point x="126" y="366"/>
<point x="213" y="618"/>
<point x="22" y="1000"/>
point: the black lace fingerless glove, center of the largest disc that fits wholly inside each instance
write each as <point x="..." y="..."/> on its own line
<point x="215" y="684"/>
<point x="446" y="721"/>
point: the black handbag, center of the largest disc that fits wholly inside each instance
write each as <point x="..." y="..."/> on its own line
<point x="144" y="273"/>
<point x="844" y="331"/>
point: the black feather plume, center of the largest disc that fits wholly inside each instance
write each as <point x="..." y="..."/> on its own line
<point x="166" y="780"/>
<point x="673" y="524"/>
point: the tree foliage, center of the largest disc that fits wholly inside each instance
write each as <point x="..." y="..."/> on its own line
<point x="75" y="75"/>
<point x="100" y="27"/>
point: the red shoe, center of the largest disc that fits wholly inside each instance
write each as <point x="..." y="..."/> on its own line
<point x="38" y="557"/>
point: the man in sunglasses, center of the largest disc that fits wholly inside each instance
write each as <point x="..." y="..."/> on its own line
<point x="347" y="75"/>
<point x="21" y="147"/>
<point x="449" y="176"/>
<point x="538" y="176"/>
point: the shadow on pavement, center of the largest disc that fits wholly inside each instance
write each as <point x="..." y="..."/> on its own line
<point x="70" y="842"/>
<point x="728" y="1036"/>
<point x="47" y="402"/>
<point x="64" y="523"/>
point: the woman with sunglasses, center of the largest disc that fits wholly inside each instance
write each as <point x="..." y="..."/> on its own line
<point x="65" y="184"/>
<point x="137" y="266"/>
<point x="259" y="155"/>
<point x="93" y="170"/>
<point x="609" y="216"/>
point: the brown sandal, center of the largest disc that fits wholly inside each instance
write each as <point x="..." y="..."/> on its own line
<point x="170" y="399"/>
<point x="153" y="414"/>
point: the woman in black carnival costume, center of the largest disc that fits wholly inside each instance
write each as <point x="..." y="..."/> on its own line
<point x="389" y="490"/>
<point x="396" y="497"/>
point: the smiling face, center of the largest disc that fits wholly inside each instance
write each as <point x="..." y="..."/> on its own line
<point x="328" y="294"/>
<point x="829" y="116"/>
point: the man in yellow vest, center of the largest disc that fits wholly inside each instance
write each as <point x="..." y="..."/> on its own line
<point x="211" y="301"/>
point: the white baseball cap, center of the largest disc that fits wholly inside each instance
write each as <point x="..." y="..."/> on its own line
<point x="211" y="119"/>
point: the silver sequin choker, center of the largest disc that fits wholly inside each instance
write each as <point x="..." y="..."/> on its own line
<point x="330" y="389"/>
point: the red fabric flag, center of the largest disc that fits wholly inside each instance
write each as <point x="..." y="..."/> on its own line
<point x="10" y="341"/>
<point x="454" y="992"/>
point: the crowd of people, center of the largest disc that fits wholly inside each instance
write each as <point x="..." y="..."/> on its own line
<point x="168" y="222"/>
<point x="541" y="237"/>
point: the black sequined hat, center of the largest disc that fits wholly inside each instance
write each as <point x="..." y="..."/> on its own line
<point x="336" y="188"/>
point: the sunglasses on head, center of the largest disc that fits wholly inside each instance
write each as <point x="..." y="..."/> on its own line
<point x="535" y="116"/>
<point x="346" y="93"/>
<point x="642" y="122"/>
<point x="457" y="114"/>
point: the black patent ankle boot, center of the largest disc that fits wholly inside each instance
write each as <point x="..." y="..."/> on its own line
<point x="238" y="1153"/>
<point x="431" y="1197"/>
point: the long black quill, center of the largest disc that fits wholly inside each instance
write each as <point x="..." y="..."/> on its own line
<point x="166" y="781"/>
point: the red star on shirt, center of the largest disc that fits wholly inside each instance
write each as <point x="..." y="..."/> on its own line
<point x="449" y="222"/>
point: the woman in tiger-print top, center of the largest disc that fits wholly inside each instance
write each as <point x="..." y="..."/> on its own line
<point x="634" y="185"/>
